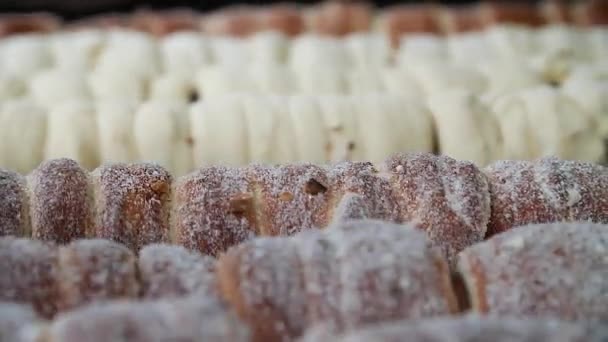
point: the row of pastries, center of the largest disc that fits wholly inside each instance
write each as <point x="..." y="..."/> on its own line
<point x="238" y="129"/>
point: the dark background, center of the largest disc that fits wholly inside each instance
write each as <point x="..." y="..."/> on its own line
<point x="71" y="9"/>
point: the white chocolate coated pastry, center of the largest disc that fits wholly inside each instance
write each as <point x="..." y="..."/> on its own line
<point x="23" y="129"/>
<point x="173" y="87"/>
<point x="309" y="131"/>
<point x="229" y="51"/>
<point x="223" y="79"/>
<point x="72" y="133"/>
<point x="422" y="47"/>
<point x="321" y="79"/>
<point x="219" y="132"/>
<point x="466" y="128"/>
<point x="436" y="77"/>
<point x="592" y="96"/>
<point x="115" y="130"/>
<point x="341" y="125"/>
<point x="411" y="123"/>
<point x="568" y="131"/>
<point x="52" y="87"/>
<point x="368" y="49"/>
<point x="269" y="129"/>
<point x="375" y="135"/>
<point x="311" y="50"/>
<point x="161" y="134"/>
<point x="11" y="86"/>
<point x="184" y="52"/>
<point x="132" y="52"/>
<point x="24" y="55"/>
<point x="272" y="78"/>
<point x="76" y="50"/>
<point x="268" y="47"/>
<point x="114" y="84"/>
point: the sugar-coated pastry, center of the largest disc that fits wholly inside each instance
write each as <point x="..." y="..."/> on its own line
<point x="93" y="271"/>
<point x="290" y="197"/>
<point x="23" y="131"/>
<point x="465" y="127"/>
<point x="30" y="271"/>
<point x="219" y="132"/>
<point x="15" y="319"/>
<point x="76" y="49"/>
<point x="16" y="24"/>
<point x="360" y="192"/>
<point x="448" y="199"/>
<point x="132" y="202"/>
<point x="552" y="270"/>
<point x="341" y="126"/>
<point x="161" y="134"/>
<point x="24" y="55"/>
<point x="569" y="132"/>
<point x="167" y="271"/>
<point x="183" y="52"/>
<point x="52" y="87"/>
<point x="546" y="190"/>
<point x="308" y="128"/>
<point x="61" y="201"/>
<point x="354" y="274"/>
<point x="188" y="319"/>
<point x="471" y="327"/>
<point x="14" y="205"/>
<point x="213" y="209"/>
<point x="72" y="133"/>
<point x="115" y="130"/>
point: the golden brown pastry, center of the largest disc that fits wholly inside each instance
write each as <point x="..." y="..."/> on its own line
<point x="61" y="201"/>
<point x="556" y="270"/>
<point x="132" y="202"/>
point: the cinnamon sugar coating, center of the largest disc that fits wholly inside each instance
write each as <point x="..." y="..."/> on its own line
<point x="94" y="271"/>
<point x="554" y="270"/>
<point x="30" y="273"/>
<point x="448" y="199"/>
<point x="467" y="329"/>
<point x="188" y="319"/>
<point x="352" y="274"/>
<point x="167" y="271"/>
<point x="14" y="216"/>
<point x="290" y="197"/>
<point x="546" y="190"/>
<point x="61" y="201"/>
<point x="213" y="209"/>
<point x="132" y="203"/>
